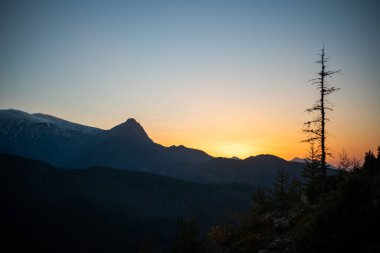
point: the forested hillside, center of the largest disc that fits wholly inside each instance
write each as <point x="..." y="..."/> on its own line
<point x="104" y="209"/>
<point x="337" y="213"/>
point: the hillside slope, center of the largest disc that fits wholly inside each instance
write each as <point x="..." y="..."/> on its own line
<point x="103" y="209"/>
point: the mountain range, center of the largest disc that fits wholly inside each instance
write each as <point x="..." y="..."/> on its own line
<point x="127" y="146"/>
<point x="67" y="187"/>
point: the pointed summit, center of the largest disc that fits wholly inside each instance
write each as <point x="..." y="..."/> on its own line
<point x="131" y="121"/>
<point x="130" y="130"/>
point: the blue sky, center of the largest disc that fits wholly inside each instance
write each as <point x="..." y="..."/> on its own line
<point x="208" y="74"/>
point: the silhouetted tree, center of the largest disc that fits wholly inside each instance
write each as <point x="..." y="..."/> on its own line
<point x="378" y="160"/>
<point x="370" y="162"/>
<point x="342" y="219"/>
<point x="312" y="175"/>
<point x="281" y="192"/>
<point x="345" y="162"/>
<point x="262" y="201"/>
<point x="316" y="127"/>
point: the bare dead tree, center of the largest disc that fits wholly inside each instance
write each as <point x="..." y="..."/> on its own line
<point x="316" y="127"/>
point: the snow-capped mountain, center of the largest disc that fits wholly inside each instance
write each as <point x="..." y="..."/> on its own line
<point x="43" y="137"/>
<point x="127" y="146"/>
<point x="64" y="143"/>
<point x="40" y="118"/>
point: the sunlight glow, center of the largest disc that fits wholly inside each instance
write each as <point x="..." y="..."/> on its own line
<point x="226" y="77"/>
<point x="231" y="149"/>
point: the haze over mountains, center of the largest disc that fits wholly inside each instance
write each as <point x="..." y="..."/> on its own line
<point x="127" y="146"/>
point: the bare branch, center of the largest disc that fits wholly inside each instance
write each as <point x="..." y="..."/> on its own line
<point x="315" y="128"/>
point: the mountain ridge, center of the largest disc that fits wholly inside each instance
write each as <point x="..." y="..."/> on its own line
<point x="127" y="146"/>
<point x="14" y="114"/>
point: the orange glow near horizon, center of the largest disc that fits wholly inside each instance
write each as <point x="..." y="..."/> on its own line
<point x="270" y="130"/>
<point x="247" y="140"/>
<point x="226" y="77"/>
<point x="236" y="135"/>
<point x="241" y="124"/>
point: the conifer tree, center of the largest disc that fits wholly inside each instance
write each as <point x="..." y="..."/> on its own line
<point x="281" y="192"/>
<point x="316" y="127"/>
<point x="312" y="175"/>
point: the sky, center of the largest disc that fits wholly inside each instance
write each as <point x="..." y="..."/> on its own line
<point x="227" y="77"/>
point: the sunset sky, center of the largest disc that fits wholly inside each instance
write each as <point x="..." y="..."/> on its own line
<point x="227" y="77"/>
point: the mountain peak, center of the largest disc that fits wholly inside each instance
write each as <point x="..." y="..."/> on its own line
<point x="131" y="130"/>
<point x="131" y="121"/>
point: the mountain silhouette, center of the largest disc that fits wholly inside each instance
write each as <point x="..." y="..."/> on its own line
<point x="43" y="137"/>
<point x="256" y="170"/>
<point x="127" y="146"/>
<point x="129" y="131"/>
<point x="305" y="160"/>
<point x="63" y="143"/>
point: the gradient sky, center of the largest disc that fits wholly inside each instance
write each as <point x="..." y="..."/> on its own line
<point x="228" y="77"/>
